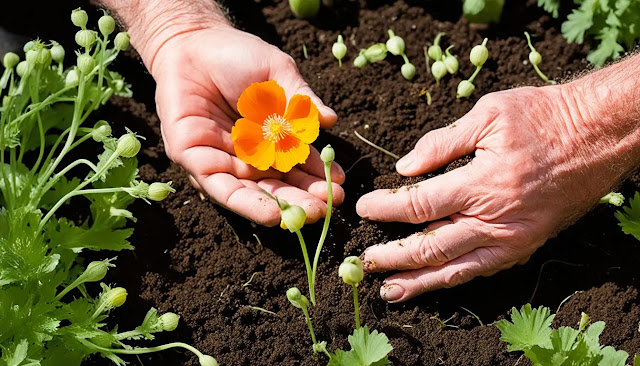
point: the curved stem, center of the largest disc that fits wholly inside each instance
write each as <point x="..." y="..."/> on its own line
<point x="357" y="307"/>
<point x="55" y="178"/>
<point x="406" y="59"/>
<point x="475" y="73"/>
<point x="325" y="227"/>
<point x="303" y="246"/>
<point x="542" y="75"/>
<point x="141" y="350"/>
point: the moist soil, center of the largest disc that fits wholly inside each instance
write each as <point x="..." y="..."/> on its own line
<point x="214" y="268"/>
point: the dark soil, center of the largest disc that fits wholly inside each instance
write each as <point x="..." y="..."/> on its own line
<point x="212" y="267"/>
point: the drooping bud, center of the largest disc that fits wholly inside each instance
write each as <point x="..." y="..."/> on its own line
<point x="85" y="63"/>
<point x="169" y="321"/>
<point x="101" y="131"/>
<point x="85" y="38"/>
<point x="10" y="60"/>
<point x="31" y="56"/>
<point x="293" y="218"/>
<point x="435" y="51"/>
<point x="376" y="52"/>
<point x="439" y="70"/>
<point x="116" y="297"/>
<point x="159" y="191"/>
<point x="408" y="71"/>
<point x="328" y="154"/>
<point x="535" y="58"/>
<point x="106" y="24"/>
<point x="360" y="61"/>
<point x="122" y="41"/>
<point x="79" y="18"/>
<point x="450" y="61"/>
<point x="297" y="299"/>
<point x="304" y="9"/>
<point x="339" y="49"/>
<point x="43" y="56"/>
<point x="465" y="88"/>
<point x="479" y="54"/>
<point x="22" y="68"/>
<point x="395" y="44"/>
<point x="206" y="360"/>
<point x="128" y="145"/>
<point x="27" y="46"/>
<point x="57" y="53"/>
<point x="71" y="78"/>
<point x="351" y="270"/>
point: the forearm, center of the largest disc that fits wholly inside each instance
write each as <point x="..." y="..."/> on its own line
<point x="151" y="23"/>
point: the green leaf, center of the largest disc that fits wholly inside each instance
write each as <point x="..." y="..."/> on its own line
<point x="609" y="48"/>
<point x="612" y="357"/>
<point x="64" y="234"/>
<point x="629" y="218"/>
<point x="57" y="191"/>
<point x="473" y="7"/>
<point x="529" y="327"/>
<point x="550" y="6"/>
<point x="482" y="11"/>
<point x="367" y="349"/>
<point x="577" y="24"/>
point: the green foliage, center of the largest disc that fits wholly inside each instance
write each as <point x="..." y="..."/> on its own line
<point x="367" y="349"/>
<point x="629" y="218"/>
<point x="530" y="331"/>
<point x="482" y="11"/>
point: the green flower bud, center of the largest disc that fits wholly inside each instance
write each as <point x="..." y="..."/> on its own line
<point x="118" y="85"/>
<point x="435" y="52"/>
<point x="31" y="56"/>
<point x="44" y="56"/>
<point x="10" y="60"/>
<point x="27" y="46"/>
<point x="360" y="61"/>
<point x="71" y="78"/>
<point x="22" y="68"/>
<point x="206" y="360"/>
<point x="57" y="53"/>
<point x="614" y="198"/>
<point x="408" y="71"/>
<point x="293" y="218"/>
<point x="85" y="63"/>
<point x="535" y="58"/>
<point x="79" y="18"/>
<point x="116" y="297"/>
<point x="128" y="145"/>
<point x="169" y="321"/>
<point x="450" y="61"/>
<point x="122" y="41"/>
<point x="395" y="44"/>
<point x="376" y="52"/>
<point x="584" y="321"/>
<point x="479" y="54"/>
<point x="304" y="9"/>
<point x="439" y="70"/>
<point x="297" y="299"/>
<point x="339" y="49"/>
<point x="95" y="271"/>
<point x="327" y="155"/>
<point x="106" y="24"/>
<point x="159" y="191"/>
<point x="465" y="88"/>
<point x="85" y="38"/>
<point x="101" y="130"/>
<point x="351" y="270"/>
<point x="139" y="190"/>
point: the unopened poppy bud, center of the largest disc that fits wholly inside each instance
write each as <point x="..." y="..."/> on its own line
<point x="304" y="9"/>
<point x="439" y="70"/>
<point x="79" y="18"/>
<point x="328" y="154"/>
<point x="479" y="54"/>
<point x="535" y="58"/>
<point x="44" y="56"/>
<point x="159" y="191"/>
<point x="376" y="52"/>
<point x="10" y="60"/>
<point x="106" y="24"/>
<point x="584" y="321"/>
<point x="139" y="190"/>
<point x="85" y="38"/>
<point x="465" y="88"/>
<point x="360" y="61"/>
<point x="408" y="71"/>
<point x="450" y="61"/>
<point x="351" y="270"/>
<point x="614" y="198"/>
<point x="27" y="46"/>
<point x="206" y="360"/>
<point x="71" y="78"/>
<point x="293" y="218"/>
<point x="85" y="63"/>
<point x="22" y="68"/>
<point x="31" y="56"/>
<point x="118" y="85"/>
<point x="169" y="321"/>
<point x="116" y="297"/>
<point x="339" y="49"/>
<point x="57" y="53"/>
<point x="101" y="131"/>
<point x="122" y="41"/>
<point x="128" y="145"/>
<point x="395" y="44"/>
<point x="435" y="51"/>
<point x="297" y="299"/>
<point x="95" y="271"/>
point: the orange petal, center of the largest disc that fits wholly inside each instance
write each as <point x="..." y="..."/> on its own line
<point x="250" y="145"/>
<point x="260" y="100"/>
<point x="289" y="152"/>
<point x="303" y="116"/>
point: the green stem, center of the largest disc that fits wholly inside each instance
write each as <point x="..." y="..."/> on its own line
<point x="542" y="76"/>
<point x="406" y="59"/>
<point x="325" y="227"/>
<point x="309" y="324"/>
<point x="141" y="350"/>
<point x="303" y="246"/>
<point x="356" y="306"/>
<point x="55" y="178"/>
<point x="475" y="73"/>
<point x="125" y="335"/>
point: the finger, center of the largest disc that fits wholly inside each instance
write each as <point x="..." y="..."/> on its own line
<point x="482" y="261"/>
<point x="442" y="243"/>
<point x="315" y="186"/>
<point x="315" y="166"/>
<point x="231" y="193"/>
<point x="441" y="146"/>
<point x="314" y="207"/>
<point x="286" y="74"/>
<point x="428" y="200"/>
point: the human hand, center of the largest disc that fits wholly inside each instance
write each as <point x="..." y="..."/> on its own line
<point x="541" y="161"/>
<point x="200" y="74"/>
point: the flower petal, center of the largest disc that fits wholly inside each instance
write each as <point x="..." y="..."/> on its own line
<point x="288" y="152"/>
<point x="260" y="100"/>
<point x="250" y="145"/>
<point x="303" y="116"/>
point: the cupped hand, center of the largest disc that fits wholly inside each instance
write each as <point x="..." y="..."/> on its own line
<point x="200" y="75"/>
<point x="539" y="164"/>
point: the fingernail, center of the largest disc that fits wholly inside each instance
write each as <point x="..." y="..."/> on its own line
<point x="361" y="207"/>
<point x="391" y="293"/>
<point x="406" y="161"/>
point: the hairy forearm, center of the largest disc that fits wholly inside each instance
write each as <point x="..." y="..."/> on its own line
<point x="151" y="23"/>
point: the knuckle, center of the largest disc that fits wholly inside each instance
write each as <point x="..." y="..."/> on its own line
<point x="429" y="252"/>
<point x="420" y="209"/>
<point x="456" y="277"/>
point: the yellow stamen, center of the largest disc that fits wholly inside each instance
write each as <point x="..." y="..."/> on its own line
<point x="275" y="128"/>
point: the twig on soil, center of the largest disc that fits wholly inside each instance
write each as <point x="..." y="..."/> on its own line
<point x="474" y="315"/>
<point x="535" y="290"/>
<point x="517" y="362"/>
<point x="376" y="146"/>
<point x="250" y="279"/>
<point x="261" y="309"/>
<point x="357" y="161"/>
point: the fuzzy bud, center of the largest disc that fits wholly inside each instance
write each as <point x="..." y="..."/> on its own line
<point x="169" y="321"/>
<point x="479" y="54"/>
<point x="293" y="218"/>
<point x="27" y="46"/>
<point x="71" y="78"/>
<point x="535" y="58"/>
<point x="10" y="60"/>
<point x="395" y="44"/>
<point x="297" y="299"/>
<point x="435" y="52"/>
<point x="408" y="71"/>
<point x="304" y="9"/>
<point x="439" y="70"/>
<point x="159" y="191"/>
<point x="128" y="145"/>
<point x="85" y="63"/>
<point x="95" y="271"/>
<point x="328" y="154"/>
<point x="57" y="53"/>
<point x="122" y="41"/>
<point x="116" y="297"/>
<point x="339" y="49"/>
<point x="206" y="360"/>
<point x="106" y="24"/>
<point x="31" y="56"/>
<point x="451" y="62"/>
<point x="101" y="131"/>
<point x="139" y="190"/>
<point x="85" y="38"/>
<point x="351" y="271"/>
<point x="79" y="18"/>
<point x="22" y="68"/>
<point x="44" y="56"/>
<point x="614" y="198"/>
<point x="360" y="61"/>
<point x="465" y="88"/>
<point x="376" y="52"/>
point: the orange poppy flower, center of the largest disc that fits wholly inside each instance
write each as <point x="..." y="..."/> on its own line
<point x="272" y="134"/>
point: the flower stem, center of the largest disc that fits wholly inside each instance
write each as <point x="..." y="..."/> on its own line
<point x="325" y="229"/>
<point x="303" y="246"/>
<point x="308" y="319"/>
<point x="356" y="306"/>
<point x="141" y="350"/>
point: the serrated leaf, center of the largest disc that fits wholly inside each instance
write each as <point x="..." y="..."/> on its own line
<point x="64" y="234"/>
<point x="613" y="357"/>
<point x="550" y="6"/>
<point x="577" y="25"/>
<point x="367" y="349"/>
<point x="529" y="327"/>
<point x="629" y="218"/>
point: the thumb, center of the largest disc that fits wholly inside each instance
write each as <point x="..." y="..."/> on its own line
<point x="287" y="75"/>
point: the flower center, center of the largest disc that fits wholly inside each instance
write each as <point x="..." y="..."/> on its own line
<point x="275" y="128"/>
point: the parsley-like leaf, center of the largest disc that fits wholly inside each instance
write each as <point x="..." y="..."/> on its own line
<point x="629" y="218"/>
<point x="367" y="349"/>
<point x="530" y="327"/>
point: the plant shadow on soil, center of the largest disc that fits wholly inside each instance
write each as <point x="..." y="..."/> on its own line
<point x="189" y="260"/>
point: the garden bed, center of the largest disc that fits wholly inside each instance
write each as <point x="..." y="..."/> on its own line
<point x="189" y="260"/>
